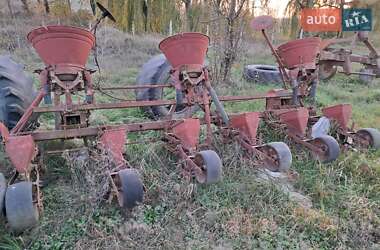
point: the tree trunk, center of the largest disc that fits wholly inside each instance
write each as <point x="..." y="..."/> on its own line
<point x="145" y="13"/>
<point x="26" y="6"/>
<point x="10" y="8"/>
<point x="69" y="5"/>
<point x="47" y="7"/>
<point x="187" y="17"/>
<point x="229" y="52"/>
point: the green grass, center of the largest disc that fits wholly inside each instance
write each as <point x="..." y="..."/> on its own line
<point x="241" y="212"/>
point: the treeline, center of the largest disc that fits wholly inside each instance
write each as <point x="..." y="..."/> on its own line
<point x="137" y="16"/>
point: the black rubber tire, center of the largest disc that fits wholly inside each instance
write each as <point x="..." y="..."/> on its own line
<point x="283" y="157"/>
<point x="365" y="79"/>
<point x="261" y="73"/>
<point x="212" y="165"/>
<point x="374" y="135"/>
<point x="132" y="190"/>
<point x="16" y="91"/>
<point x="333" y="149"/>
<point x="326" y="71"/>
<point x="3" y="189"/>
<point x="20" y="210"/>
<point x="156" y="71"/>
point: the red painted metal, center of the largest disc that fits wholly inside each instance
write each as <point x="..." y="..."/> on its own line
<point x="114" y="141"/>
<point x="185" y="49"/>
<point x="247" y="124"/>
<point x="28" y="113"/>
<point x="4" y="132"/>
<point x="300" y="53"/>
<point x="342" y="113"/>
<point x="188" y="132"/>
<point x="62" y="45"/>
<point x="262" y="23"/>
<point x="296" y="120"/>
<point x="21" y="151"/>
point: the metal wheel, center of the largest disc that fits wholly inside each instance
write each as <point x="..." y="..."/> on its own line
<point x="21" y="212"/>
<point x="329" y="146"/>
<point x="131" y="188"/>
<point x="280" y="154"/>
<point x="326" y="71"/>
<point x="366" y="79"/>
<point x="370" y="135"/>
<point x="3" y="189"/>
<point x="211" y="165"/>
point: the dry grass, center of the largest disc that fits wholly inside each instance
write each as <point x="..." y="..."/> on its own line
<point x="238" y="213"/>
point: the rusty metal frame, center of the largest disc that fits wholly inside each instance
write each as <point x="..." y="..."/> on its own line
<point x="251" y="147"/>
<point x="343" y="58"/>
<point x="343" y="134"/>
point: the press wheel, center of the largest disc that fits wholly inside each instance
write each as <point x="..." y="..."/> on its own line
<point x="280" y="157"/>
<point x="211" y="165"/>
<point x="131" y="190"/>
<point x="326" y="71"/>
<point x="370" y="135"/>
<point x="21" y="211"/>
<point x="329" y="146"/>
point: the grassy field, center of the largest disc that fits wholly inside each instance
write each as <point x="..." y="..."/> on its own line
<point x="243" y="211"/>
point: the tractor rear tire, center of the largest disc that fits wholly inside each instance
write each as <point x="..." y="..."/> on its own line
<point x="16" y="91"/>
<point x="153" y="72"/>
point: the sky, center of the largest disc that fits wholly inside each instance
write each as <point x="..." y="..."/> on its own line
<point x="279" y="6"/>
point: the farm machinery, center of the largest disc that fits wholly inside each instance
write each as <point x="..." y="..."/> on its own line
<point x="331" y="58"/>
<point x="300" y="62"/>
<point x="68" y="92"/>
<point x="67" y="89"/>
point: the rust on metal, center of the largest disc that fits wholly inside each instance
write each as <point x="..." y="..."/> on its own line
<point x="342" y="113"/>
<point x="21" y="151"/>
<point x="62" y="45"/>
<point x="185" y="49"/>
<point x="247" y="124"/>
<point x="136" y="104"/>
<point x="188" y="132"/>
<point x="296" y="120"/>
<point x="4" y="132"/>
<point x="152" y="86"/>
<point x="28" y="113"/>
<point x="345" y="57"/>
<point x="300" y="53"/>
<point x="113" y="140"/>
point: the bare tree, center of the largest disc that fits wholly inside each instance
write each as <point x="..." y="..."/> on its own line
<point x="47" y="7"/>
<point x="232" y="12"/>
<point x="10" y="8"/>
<point x="69" y="5"/>
<point x="186" y="23"/>
<point x="26" y="6"/>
